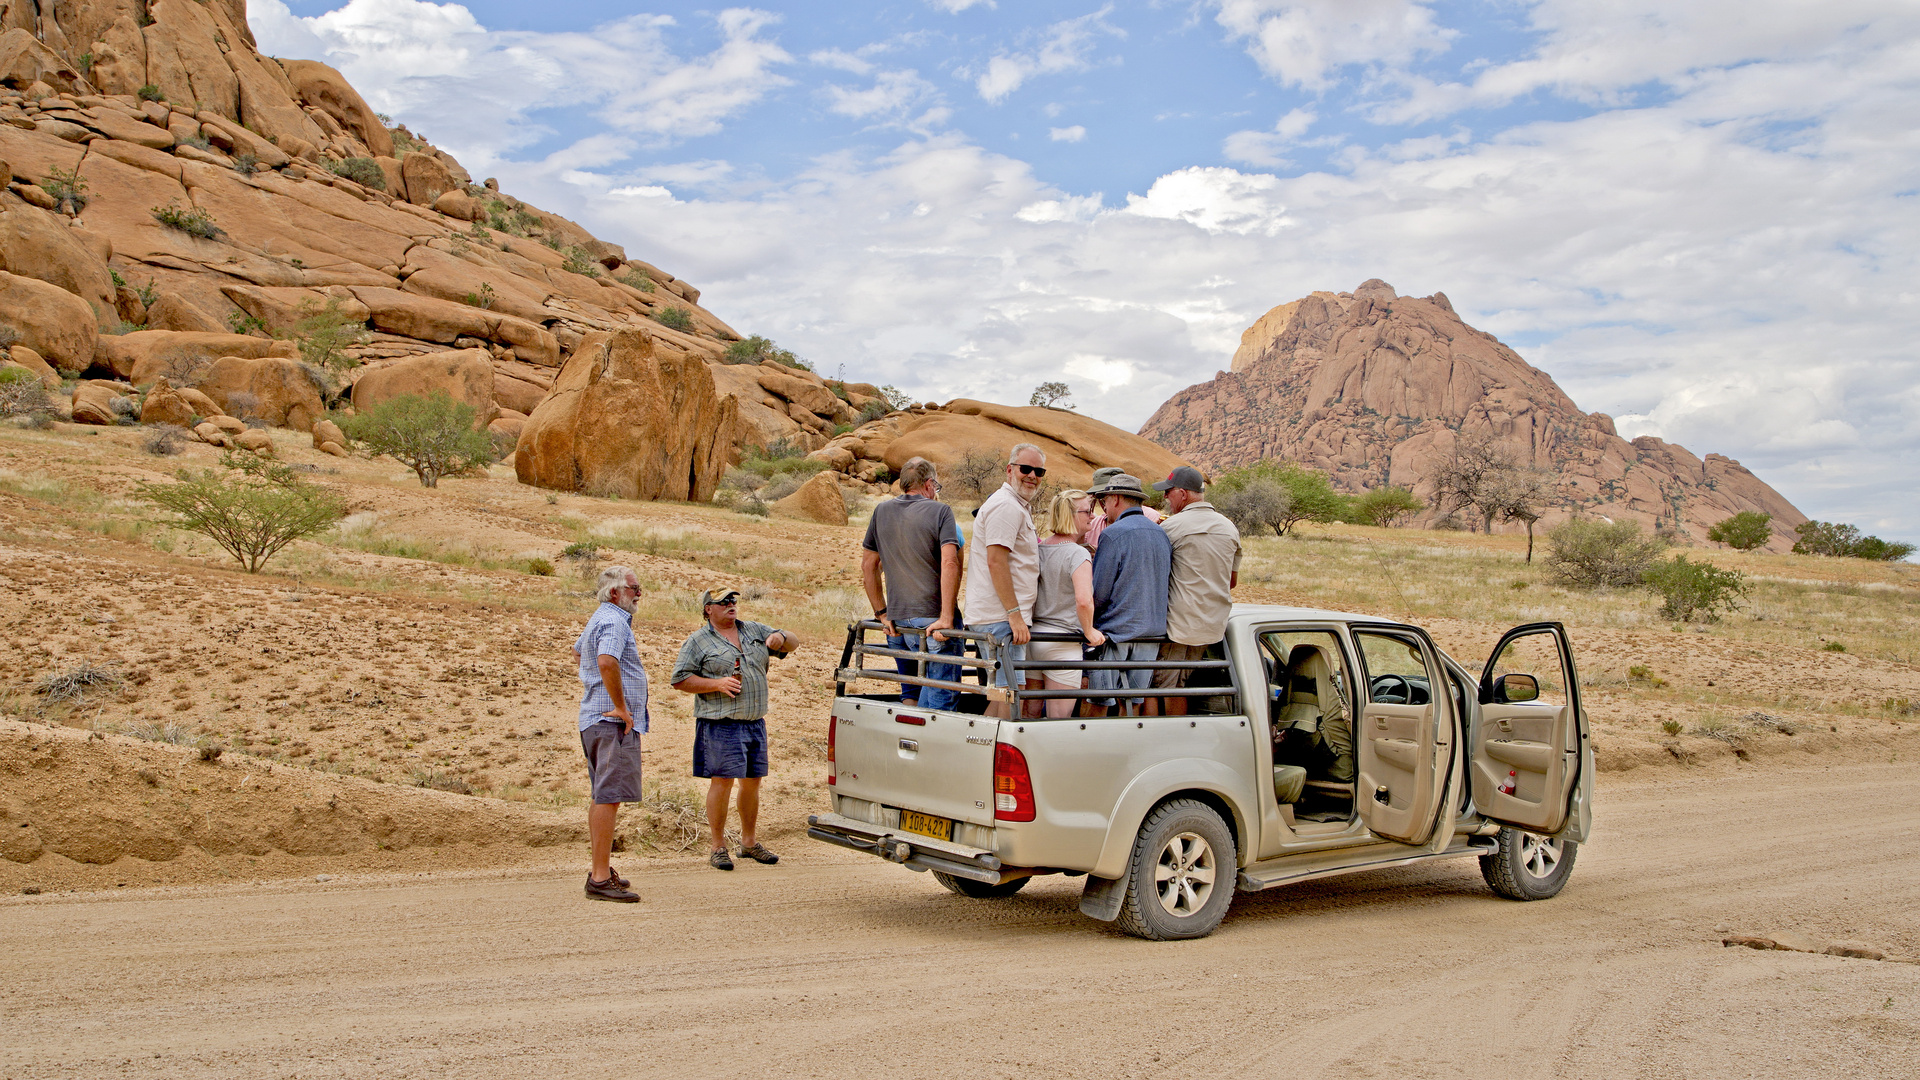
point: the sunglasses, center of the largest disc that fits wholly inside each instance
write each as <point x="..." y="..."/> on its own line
<point x="1032" y="470"/>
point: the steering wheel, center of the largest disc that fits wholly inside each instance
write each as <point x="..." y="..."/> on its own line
<point x="1391" y="690"/>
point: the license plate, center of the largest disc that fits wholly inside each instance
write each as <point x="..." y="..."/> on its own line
<point x="926" y="824"/>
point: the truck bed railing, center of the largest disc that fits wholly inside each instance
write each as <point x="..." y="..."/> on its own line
<point x="980" y="658"/>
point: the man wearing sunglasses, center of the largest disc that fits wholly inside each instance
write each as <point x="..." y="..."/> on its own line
<point x="1003" y="568"/>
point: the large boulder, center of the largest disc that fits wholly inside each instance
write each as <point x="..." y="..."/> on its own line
<point x="818" y="499"/>
<point x="430" y="319"/>
<point x="322" y="87"/>
<point x="624" y="421"/>
<point x="465" y="374"/>
<point x="279" y="309"/>
<point x="269" y="388"/>
<point x="24" y="357"/>
<point x="165" y="405"/>
<point x="37" y="244"/>
<point x="184" y="57"/>
<point x="427" y="179"/>
<point x="24" y="61"/>
<point x="145" y="355"/>
<point x="171" y="311"/>
<point x="94" y="403"/>
<point x="51" y="321"/>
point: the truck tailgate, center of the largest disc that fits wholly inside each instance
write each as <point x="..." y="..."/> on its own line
<point x="933" y="762"/>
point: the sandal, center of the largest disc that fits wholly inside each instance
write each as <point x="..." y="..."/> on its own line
<point x="720" y="860"/>
<point x="759" y="853"/>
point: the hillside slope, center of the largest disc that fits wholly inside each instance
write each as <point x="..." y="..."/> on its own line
<point x="1375" y="387"/>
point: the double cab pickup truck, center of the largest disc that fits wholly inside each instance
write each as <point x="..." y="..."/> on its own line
<point x="1307" y="744"/>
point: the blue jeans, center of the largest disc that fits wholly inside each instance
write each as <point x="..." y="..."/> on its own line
<point x="931" y="697"/>
<point x="1002" y="634"/>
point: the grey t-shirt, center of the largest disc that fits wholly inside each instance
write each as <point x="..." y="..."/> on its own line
<point x="908" y="533"/>
<point x="1053" y="606"/>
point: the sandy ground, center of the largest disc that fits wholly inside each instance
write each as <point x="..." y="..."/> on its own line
<point x="836" y="965"/>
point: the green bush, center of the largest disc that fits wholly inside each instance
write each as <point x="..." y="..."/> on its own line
<point x="1385" y="507"/>
<point x="1844" y="541"/>
<point x="150" y="92"/>
<point x="756" y="349"/>
<point x="325" y="332"/>
<point x="246" y="164"/>
<point x="363" y="171"/>
<point x="637" y="278"/>
<point x="191" y="220"/>
<point x="539" y="567"/>
<point x="1695" y="589"/>
<point x="1596" y="554"/>
<point x="1254" y="492"/>
<point x="67" y="186"/>
<point x="240" y="322"/>
<point x="23" y="394"/>
<point x="1743" y="531"/>
<point x="252" y="510"/>
<point x="435" y="435"/>
<point x="675" y="318"/>
<point x="579" y="262"/>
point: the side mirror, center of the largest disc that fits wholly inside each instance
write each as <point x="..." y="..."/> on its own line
<point x="1514" y="689"/>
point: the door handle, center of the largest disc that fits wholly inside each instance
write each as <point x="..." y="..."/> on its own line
<point x="1380" y="722"/>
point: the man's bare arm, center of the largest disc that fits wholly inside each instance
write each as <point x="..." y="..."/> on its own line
<point x="870" y="578"/>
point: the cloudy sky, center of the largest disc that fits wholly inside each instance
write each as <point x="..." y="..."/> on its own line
<point x="1700" y="217"/>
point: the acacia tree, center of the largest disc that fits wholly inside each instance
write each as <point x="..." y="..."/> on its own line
<point x="435" y="435"/>
<point x="252" y="511"/>
<point x="1051" y="395"/>
<point x="1744" y="531"/>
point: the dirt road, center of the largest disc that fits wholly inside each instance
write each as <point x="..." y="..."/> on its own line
<point x="832" y="965"/>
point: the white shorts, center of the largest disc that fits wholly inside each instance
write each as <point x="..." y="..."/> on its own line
<point x="1056" y="651"/>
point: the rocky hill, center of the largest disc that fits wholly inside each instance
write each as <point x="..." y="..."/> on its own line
<point x="1375" y="388"/>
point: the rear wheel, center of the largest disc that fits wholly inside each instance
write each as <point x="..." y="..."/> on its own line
<point x="1182" y="873"/>
<point x="1528" y="866"/>
<point x="980" y="890"/>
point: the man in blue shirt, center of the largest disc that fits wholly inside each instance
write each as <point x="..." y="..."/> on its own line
<point x="615" y="686"/>
<point x="1130" y="575"/>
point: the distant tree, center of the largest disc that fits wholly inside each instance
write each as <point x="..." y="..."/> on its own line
<point x="895" y="399"/>
<point x="975" y="476"/>
<point x="1743" y="531"/>
<point x="253" y="510"/>
<point x="1518" y="495"/>
<point x="1385" y="506"/>
<point x="1051" y="395"/>
<point x="1695" y="589"/>
<point x="1254" y="505"/>
<point x="435" y="436"/>
<point x="324" y="333"/>
<point x="1844" y="541"/>
<point x="1309" y="494"/>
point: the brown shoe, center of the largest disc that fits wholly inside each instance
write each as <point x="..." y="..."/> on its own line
<point x="759" y="853"/>
<point x="611" y="889"/>
<point x="617" y="879"/>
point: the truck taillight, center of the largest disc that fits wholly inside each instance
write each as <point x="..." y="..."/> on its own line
<point x="833" y="772"/>
<point x="1012" y="785"/>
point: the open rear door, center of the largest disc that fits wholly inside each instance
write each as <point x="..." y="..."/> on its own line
<point x="1529" y="759"/>
<point x="1403" y="742"/>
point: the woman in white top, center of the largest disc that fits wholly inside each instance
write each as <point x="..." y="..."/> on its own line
<point x="1063" y="603"/>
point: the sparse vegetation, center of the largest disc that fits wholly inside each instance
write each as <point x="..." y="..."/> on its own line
<point x="363" y="171"/>
<point x="325" y="332"/>
<point x="75" y="683"/>
<point x="675" y="318"/>
<point x="1385" y="507"/>
<point x="1691" y="590"/>
<point x="974" y="477"/>
<point x="1844" y="541"/>
<point x="580" y="262"/>
<point x="435" y="435"/>
<point x="23" y="395"/>
<point x="252" y="509"/>
<point x="246" y="164"/>
<point x="1743" y="531"/>
<point x="484" y="298"/>
<point x="895" y="398"/>
<point x="149" y="92"/>
<point x="1597" y="554"/>
<point x="1276" y="494"/>
<point x="191" y="220"/>
<point x="67" y="187"/>
<point x="756" y="349"/>
<point x="164" y="440"/>
<point x="540" y="567"/>
<point x="637" y="278"/>
<point x="1051" y="395"/>
<point x="241" y="322"/>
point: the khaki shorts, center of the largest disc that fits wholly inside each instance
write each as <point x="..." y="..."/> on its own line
<point x="1056" y="651"/>
<point x="1174" y="678"/>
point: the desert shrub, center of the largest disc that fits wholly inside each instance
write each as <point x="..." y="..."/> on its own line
<point x="66" y="186"/>
<point x="150" y="92"/>
<point x="1844" y="541"/>
<point x="324" y="333"/>
<point x="579" y="262"/>
<point x="873" y="410"/>
<point x="1258" y="504"/>
<point x="539" y="567"/>
<point x="1385" y="507"/>
<point x="484" y="298"/>
<point x="126" y="411"/>
<point x="246" y="164"/>
<point x="241" y="322"/>
<point x="243" y="406"/>
<point x="1051" y="395"/>
<point x="762" y="466"/>
<point x="756" y="349"/>
<point x="1743" y="531"/>
<point x="191" y="220"/>
<point x="23" y="394"/>
<point x="363" y="171"/>
<point x="781" y="486"/>
<point x="753" y="508"/>
<point x="252" y="509"/>
<point x="1310" y="494"/>
<point x="1595" y="554"/>
<point x="675" y="318"/>
<point x="9" y="335"/>
<point x="975" y="477"/>
<point x="164" y="440"/>
<point x="435" y="435"/>
<point x="75" y="683"/>
<point x="1834" y="646"/>
<point x="637" y="278"/>
<point x="895" y="399"/>
<point x="1695" y="589"/>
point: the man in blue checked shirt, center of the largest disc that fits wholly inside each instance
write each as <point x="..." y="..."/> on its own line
<point x="615" y="691"/>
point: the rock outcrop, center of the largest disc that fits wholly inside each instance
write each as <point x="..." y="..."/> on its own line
<point x="1375" y="388"/>
<point x="819" y="499"/>
<point x="629" y="419"/>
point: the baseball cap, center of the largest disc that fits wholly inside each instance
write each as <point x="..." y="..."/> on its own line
<point x="1186" y="478"/>
<point x="718" y="593"/>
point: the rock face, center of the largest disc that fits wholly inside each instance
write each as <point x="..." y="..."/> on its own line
<point x="466" y="376"/>
<point x="629" y="419"/>
<point x="818" y="499"/>
<point x="1375" y="388"/>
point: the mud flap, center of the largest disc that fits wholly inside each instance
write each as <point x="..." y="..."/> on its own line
<point x="1103" y="897"/>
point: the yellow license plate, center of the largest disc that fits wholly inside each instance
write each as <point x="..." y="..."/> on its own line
<point x="926" y="825"/>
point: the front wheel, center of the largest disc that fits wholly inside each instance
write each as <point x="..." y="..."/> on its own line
<point x="1181" y="877"/>
<point x="1528" y="866"/>
<point x="980" y="890"/>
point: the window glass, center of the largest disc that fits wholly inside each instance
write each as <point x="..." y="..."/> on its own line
<point x="1396" y="669"/>
<point x="1537" y="655"/>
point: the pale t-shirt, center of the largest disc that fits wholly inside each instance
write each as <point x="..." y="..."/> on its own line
<point x="1003" y="521"/>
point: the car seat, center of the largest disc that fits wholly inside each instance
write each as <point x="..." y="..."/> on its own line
<point x="1314" y="720"/>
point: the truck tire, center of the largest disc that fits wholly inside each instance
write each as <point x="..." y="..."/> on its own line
<point x="1181" y="876"/>
<point x="1528" y="866"/>
<point x="980" y="890"/>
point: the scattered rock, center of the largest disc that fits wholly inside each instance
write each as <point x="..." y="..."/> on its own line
<point x="165" y="405"/>
<point x="255" y="440"/>
<point x="276" y="390"/>
<point x="326" y="431"/>
<point x="1856" y="950"/>
<point x="93" y="403"/>
<point x="146" y="355"/>
<point x="818" y="499"/>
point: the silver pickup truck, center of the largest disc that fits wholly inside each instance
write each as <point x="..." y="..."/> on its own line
<point x="1315" y="743"/>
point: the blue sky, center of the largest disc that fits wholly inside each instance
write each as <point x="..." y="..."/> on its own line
<point x="1698" y="218"/>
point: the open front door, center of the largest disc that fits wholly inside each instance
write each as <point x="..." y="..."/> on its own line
<point x="1403" y="743"/>
<point x="1530" y="747"/>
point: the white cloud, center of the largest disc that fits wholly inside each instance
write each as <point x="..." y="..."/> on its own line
<point x="1103" y="372"/>
<point x="1266" y="148"/>
<point x="1305" y="43"/>
<point x="955" y="7"/>
<point x="892" y="93"/>
<point x="841" y="60"/>
<point x="1065" y="46"/>
<point x="1214" y="199"/>
<point x="1076" y="133"/>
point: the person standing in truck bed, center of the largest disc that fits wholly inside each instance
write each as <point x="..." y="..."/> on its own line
<point x="913" y="542"/>
<point x="1003" y="570"/>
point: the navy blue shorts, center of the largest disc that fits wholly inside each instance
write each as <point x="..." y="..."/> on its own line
<point x="730" y="749"/>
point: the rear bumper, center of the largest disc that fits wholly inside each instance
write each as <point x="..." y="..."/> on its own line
<point x="911" y="850"/>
